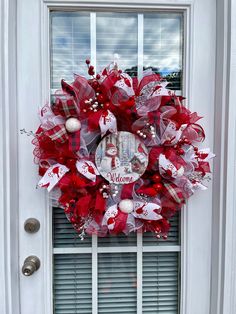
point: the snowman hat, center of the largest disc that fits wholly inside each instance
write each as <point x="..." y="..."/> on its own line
<point x="110" y="145"/>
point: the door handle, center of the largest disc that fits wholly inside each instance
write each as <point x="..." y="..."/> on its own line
<point x="32" y="225"/>
<point x="31" y="264"/>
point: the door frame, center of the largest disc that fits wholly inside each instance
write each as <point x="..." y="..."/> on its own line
<point x="224" y="221"/>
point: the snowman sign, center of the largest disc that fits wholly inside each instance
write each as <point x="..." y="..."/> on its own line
<point x="111" y="160"/>
<point x="115" y="154"/>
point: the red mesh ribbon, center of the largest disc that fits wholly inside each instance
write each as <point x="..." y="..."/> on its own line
<point x="99" y="208"/>
<point x="146" y="80"/>
<point x="111" y="77"/>
<point x="83" y="205"/>
<point x="127" y="191"/>
<point x="120" y="222"/>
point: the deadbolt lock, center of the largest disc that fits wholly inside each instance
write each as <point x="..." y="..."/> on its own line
<point x="32" y="225"/>
<point x="31" y="264"/>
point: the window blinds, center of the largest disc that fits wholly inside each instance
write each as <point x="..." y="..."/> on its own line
<point x="117" y="283"/>
<point x="117" y="272"/>
<point x="70" y="45"/>
<point x="64" y="235"/>
<point x="117" y="288"/>
<point x="117" y="34"/>
<point x="72" y="284"/>
<point x="121" y="274"/>
<point x="162" y="46"/>
<point x="160" y="283"/>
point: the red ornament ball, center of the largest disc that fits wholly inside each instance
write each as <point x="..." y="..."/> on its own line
<point x="156" y="178"/>
<point x="106" y="105"/>
<point x="73" y="220"/>
<point x="180" y="151"/>
<point x="158" y="187"/>
<point x="100" y="98"/>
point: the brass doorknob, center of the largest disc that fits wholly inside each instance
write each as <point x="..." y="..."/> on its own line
<point x="32" y="225"/>
<point x="31" y="264"/>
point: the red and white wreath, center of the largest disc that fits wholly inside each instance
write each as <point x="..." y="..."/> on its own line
<point x="121" y="152"/>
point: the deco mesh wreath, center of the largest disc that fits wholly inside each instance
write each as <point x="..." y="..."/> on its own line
<point x="122" y="153"/>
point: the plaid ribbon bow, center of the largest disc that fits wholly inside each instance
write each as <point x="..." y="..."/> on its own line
<point x="82" y="89"/>
<point x="60" y="135"/>
<point x="74" y="141"/>
<point x="171" y="191"/>
<point x="66" y="108"/>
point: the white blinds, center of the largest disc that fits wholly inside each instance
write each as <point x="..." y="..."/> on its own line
<point x="117" y="34"/>
<point x="160" y="283"/>
<point x="117" y="271"/>
<point x="120" y="275"/>
<point x="64" y="235"/>
<point x="162" y="46"/>
<point x="73" y="284"/>
<point x="70" y="45"/>
<point x="117" y="281"/>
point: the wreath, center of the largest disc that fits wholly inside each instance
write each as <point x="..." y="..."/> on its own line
<point x="120" y="154"/>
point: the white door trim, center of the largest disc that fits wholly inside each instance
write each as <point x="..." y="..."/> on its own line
<point x="9" y="271"/>
<point x="224" y="216"/>
<point x="224" y="251"/>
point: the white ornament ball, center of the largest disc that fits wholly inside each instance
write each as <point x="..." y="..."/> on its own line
<point x="73" y="125"/>
<point x="126" y="206"/>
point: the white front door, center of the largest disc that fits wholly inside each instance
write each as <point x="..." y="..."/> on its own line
<point x="124" y="275"/>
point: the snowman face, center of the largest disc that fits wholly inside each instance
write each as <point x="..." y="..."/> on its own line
<point x="112" y="151"/>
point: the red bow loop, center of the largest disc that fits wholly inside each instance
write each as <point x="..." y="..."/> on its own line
<point x="65" y="107"/>
<point x="58" y="133"/>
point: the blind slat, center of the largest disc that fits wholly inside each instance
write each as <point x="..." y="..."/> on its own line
<point x="73" y="285"/>
<point x="160" y="282"/>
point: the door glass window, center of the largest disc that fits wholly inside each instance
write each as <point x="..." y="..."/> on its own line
<point x="135" y="274"/>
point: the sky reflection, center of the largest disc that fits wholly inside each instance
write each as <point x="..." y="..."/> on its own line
<point x="116" y="33"/>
